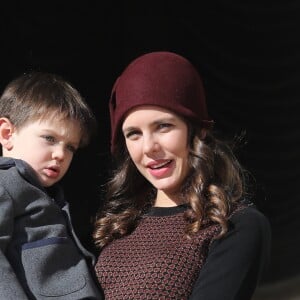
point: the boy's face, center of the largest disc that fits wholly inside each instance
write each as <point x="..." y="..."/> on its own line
<point x="48" y="146"/>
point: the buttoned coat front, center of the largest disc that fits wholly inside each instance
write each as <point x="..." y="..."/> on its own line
<point x="40" y="255"/>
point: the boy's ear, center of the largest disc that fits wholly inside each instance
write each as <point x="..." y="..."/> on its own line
<point x="6" y="131"/>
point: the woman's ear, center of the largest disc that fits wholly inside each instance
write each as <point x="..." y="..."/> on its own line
<point x="6" y="131"/>
<point x="203" y="133"/>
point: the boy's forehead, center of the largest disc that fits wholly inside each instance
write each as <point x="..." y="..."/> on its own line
<point x="53" y="115"/>
<point x="58" y="118"/>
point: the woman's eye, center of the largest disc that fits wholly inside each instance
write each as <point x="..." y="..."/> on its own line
<point x="132" y="134"/>
<point x="165" y="126"/>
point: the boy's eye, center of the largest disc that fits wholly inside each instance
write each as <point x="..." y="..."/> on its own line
<point x="49" y="138"/>
<point x="71" y="148"/>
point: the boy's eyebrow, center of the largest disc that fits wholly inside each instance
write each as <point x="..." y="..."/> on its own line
<point x="53" y="132"/>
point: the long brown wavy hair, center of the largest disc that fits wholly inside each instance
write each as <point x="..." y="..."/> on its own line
<point x="214" y="186"/>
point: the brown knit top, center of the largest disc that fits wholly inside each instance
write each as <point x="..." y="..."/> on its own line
<point x="156" y="261"/>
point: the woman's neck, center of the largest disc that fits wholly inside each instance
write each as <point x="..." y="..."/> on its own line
<point x="166" y="200"/>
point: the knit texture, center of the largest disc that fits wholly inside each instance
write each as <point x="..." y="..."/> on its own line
<point x="156" y="261"/>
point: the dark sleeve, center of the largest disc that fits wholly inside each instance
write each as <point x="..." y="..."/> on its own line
<point x="235" y="263"/>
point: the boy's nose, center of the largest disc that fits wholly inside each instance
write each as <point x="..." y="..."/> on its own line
<point x="58" y="153"/>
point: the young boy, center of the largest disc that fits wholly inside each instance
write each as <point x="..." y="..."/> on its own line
<point x="43" y="121"/>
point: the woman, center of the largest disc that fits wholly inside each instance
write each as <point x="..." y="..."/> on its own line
<point x="176" y="223"/>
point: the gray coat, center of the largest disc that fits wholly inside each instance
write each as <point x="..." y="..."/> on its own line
<point x="40" y="255"/>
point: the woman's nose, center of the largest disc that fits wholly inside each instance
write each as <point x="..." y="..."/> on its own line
<point x="150" y="144"/>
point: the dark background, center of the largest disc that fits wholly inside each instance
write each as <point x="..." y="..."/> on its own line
<point x="248" y="53"/>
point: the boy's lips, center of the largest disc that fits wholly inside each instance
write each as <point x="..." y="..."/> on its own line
<point x="52" y="171"/>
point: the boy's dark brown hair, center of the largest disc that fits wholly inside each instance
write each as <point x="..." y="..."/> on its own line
<point x="36" y="95"/>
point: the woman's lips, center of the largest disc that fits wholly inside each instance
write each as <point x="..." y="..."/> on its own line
<point x="160" y="169"/>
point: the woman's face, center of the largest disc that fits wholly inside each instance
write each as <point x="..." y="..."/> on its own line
<point x="156" y="140"/>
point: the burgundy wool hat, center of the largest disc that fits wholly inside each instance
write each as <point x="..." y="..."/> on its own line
<point x="163" y="79"/>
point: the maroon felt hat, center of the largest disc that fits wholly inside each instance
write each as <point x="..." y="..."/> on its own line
<point x="163" y="79"/>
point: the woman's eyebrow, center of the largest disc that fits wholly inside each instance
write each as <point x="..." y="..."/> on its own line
<point x="154" y="122"/>
<point x="164" y="119"/>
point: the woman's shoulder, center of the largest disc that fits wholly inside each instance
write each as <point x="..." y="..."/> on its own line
<point x="249" y="231"/>
<point x="249" y="218"/>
